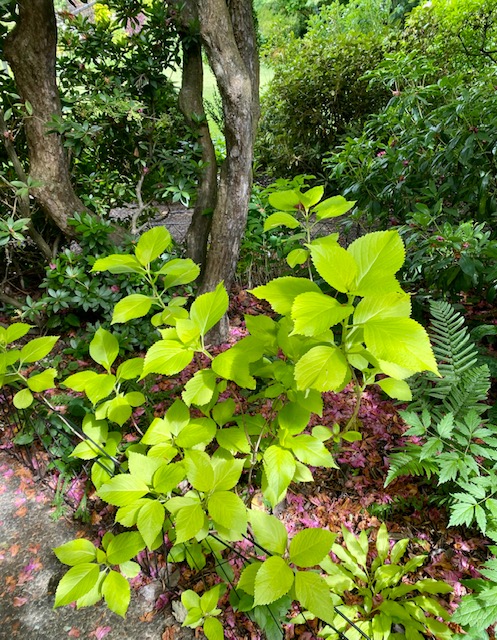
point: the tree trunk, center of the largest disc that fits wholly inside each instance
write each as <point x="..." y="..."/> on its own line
<point x="30" y="49"/>
<point x="192" y="107"/>
<point x="228" y="34"/>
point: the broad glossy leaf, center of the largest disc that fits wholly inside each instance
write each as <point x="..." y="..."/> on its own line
<point x="314" y="594"/>
<point x="122" y="489"/>
<point x="116" y="592"/>
<point x="334" y="264"/>
<point x="247" y="578"/>
<point x="402" y="341"/>
<point x="119" y="410"/>
<point x="310" y="450"/>
<point x="14" y="332"/>
<point x="273" y="580"/>
<point x="227" y="472"/>
<point x="130" y="369"/>
<point x="280" y="219"/>
<point x="168" y="477"/>
<point x="150" y="521"/>
<point x="104" y="348"/>
<point x="143" y="467"/>
<point x="333" y="207"/>
<point x="213" y="629"/>
<point x="152" y="243"/>
<point x="76" y="583"/>
<point x="398" y="389"/>
<point x="78" y="381"/>
<point x="200" y="389"/>
<point x="281" y="292"/>
<point x="209" y="308"/>
<point x="284" y="200"/>
<point x="199" y="470"/>
<point x="383" y="307"/>
<point x="279" y="467"/>
<point x="312" y="196"/>
<point x="76" y="552"/>
<point x="179" y="271"/>
<point x="133" y="306"/>
<point x="315" y="313"/>
<point x="124" y="547"/>
<point x="167" y="357"/>
<point x="378" y="255"/>
<point x="310" y="546"/>
<point x="23" y="399"/>
<point x="42" y="381"/>
<point x="228" y="510"/>
<point x="117" y="263"/>
<point x="198" y="431"/>
<point x="323" y="368"/>
<point x="189" y="521"/>
<point x="297" y="256"/>
<point x="269" y="532"/>
<point x="37" y="349"/>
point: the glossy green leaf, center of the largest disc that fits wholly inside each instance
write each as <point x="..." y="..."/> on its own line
<point x="213" y="629"/>
<point x="200" y="389"/>
<point x="228" y="510"/>
<point x="199" y="470"/>
<point x="310" y="546"/>
<point x="209" y="308"/>
<point x="42" y="381"/>
<point x="133" y="306"/>
<point x="323" y="368"/>
<point x="23" y="399"/>
<point x="279" y="468"/>
<point x="124" y="547"/>
<point x="104" y="348"/>
<point x="168" y="477"/>
<point x="297" y="256"/>
<point x="151" y="244"/>
<point x="382" y="307"/>
<point x="398" y="389"/>
<point x="273" y="580"/>
<point x="315" y="313"/>
<point x="284" y="200"/>
<point x="334" y="264"/>
<point x="247" y="578"/>
<point x="116" y="592"/>
<point x="14" y="332"/>
<point x="76" y="583"/>
<point x="76" y="552"/>
<point x="37" y="349"/>
<point x="314" y="594"/>
<point x="189" y="521"/>
<point x="378" y="256"/>
<point x="333" y="207"/>
<point x="280" y="219"/>
<point x="117" y="263"/>
<point x="150" y="521"/>
<point x="281" y="292"/>
<point x="167" y="357"/>
<point x="402" y="341"/>
<point x="179" y="271"/>
<point x="269" y="532"/>
<point x="122" y="489"/>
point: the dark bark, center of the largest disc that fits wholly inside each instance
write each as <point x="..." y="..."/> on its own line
<point x="30" y="49"/>
<point x="228" y="34"/>
<point x="192" y="107"/>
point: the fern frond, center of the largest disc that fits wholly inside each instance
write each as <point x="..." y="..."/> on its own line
<point x="452" y="345"/>
<point x="408" y="463"/>
<point x="470" y="393"/>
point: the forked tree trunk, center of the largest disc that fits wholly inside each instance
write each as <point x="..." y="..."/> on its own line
<point x="192" y="107"/>
<point x="228" y="34"/>
<point x="30" y="49"/>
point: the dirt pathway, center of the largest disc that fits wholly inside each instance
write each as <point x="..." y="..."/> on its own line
<point x="29" y="572"/>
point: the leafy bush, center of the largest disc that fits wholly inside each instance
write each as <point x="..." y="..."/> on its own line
<point x="316" y="94"/>
<point x="457" y="34"/>
<point x="179" y="479"/>
<point x="121" y="122"/>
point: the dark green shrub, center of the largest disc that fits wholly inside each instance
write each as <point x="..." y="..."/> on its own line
<point x="318" y="91"/>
